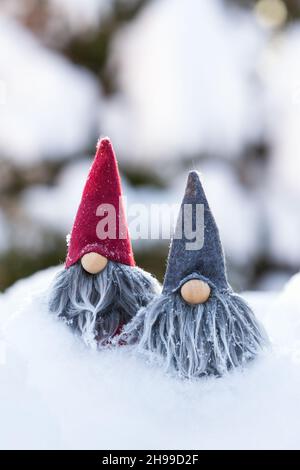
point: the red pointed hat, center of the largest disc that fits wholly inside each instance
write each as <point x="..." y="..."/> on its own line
<point x="103" y="186"/>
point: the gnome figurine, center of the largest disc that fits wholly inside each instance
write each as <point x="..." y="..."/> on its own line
<point x="100" y="289"/>
<point x="198" y="325"/>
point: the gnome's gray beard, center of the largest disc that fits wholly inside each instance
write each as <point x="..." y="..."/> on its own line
<point x="97" y="306"/>
<point x="200" y="340"/>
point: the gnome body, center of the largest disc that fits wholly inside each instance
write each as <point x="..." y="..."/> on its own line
<point x="198" y="326"/>
<point x="100" y="289"/>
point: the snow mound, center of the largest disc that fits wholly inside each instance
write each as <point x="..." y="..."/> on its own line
<point x="57" y="394"/>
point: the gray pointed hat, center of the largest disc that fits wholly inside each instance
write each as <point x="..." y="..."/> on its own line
<point x="196" y="251"/>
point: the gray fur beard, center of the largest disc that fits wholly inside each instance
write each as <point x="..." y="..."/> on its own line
<point x="200" y="340"/>
<point x="98" y="306"/>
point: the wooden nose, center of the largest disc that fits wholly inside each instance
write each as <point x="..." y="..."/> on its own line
<point x="93" y="263"/>
<point x="195" y="291"/>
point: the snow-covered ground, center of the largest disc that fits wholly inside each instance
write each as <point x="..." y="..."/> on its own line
<point x="55" y="393"/>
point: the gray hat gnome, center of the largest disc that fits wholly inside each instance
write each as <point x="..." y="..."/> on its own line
<point x="197" y="326"/>
<point x="100" y="289"/>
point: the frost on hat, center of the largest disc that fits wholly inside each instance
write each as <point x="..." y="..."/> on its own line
<point x="103" y="186"/>
<point x="205" y="263"/>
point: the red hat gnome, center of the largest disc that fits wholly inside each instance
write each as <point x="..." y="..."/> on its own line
<point x="198" y="325"/>
<point x="102" y="193"/>
<point x="100" y="289"/>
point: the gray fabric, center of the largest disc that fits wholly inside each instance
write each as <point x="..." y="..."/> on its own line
<point x="196" y="341"/>
<point x="204" y="339"/>
<point x="98" y="306"/>
<point x="207" y="262"/>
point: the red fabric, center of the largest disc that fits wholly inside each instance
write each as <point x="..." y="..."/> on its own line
<point x="103" y="186"/>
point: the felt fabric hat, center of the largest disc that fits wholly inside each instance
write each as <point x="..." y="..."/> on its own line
<point x="207" y="262"/>
<point x="103" y="187"/>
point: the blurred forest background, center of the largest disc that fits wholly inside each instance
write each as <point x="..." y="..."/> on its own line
<point x="206" y="84"/>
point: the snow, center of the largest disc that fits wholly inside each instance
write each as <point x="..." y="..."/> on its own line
<point x="49" y="107"/>
<point x="82" y="14"/>
<point x="282" y="211"/>
<point x="57" y="394"/>
<point x="289" y="330"/>
<point x="280" y="75"/>
<point x="4" y="238"/>
<point x="237" y="212"/>
<point x="280" y="72"/>
<point x="183" y="74"/>
<point x="227" y="83"/>
<point x="77" y="14"/>
<point x="55" y="207"/>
